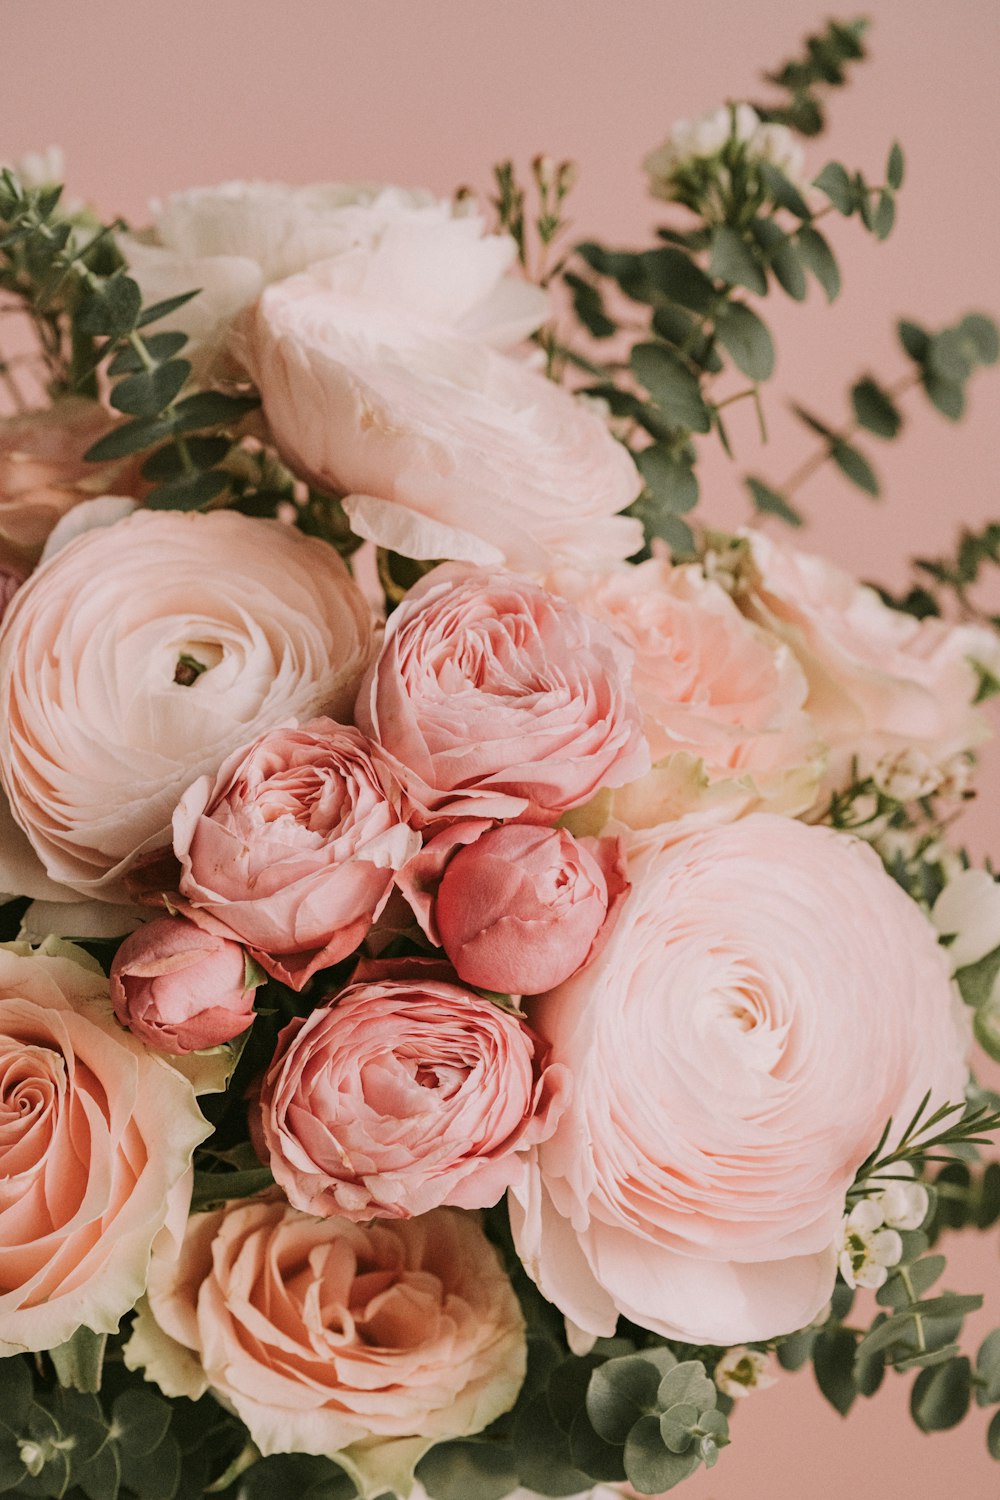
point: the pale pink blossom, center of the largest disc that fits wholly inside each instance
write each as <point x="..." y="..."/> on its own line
<point x="180" y="989"/>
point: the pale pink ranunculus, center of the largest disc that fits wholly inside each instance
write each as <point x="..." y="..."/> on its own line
<point x="292" y="847"/>
<point x="443" y="447"/>
<point x="881" y="683"/>
<point x="401" y="247"/>
<point x="517" y="908"/>
<point x="494" y="699"/>
<point x="96" y="1138"/>
<point x="180" y="989"/>
<point x="722" y="699"/>
<point x="364" y="1343"/>
<point x="404" y="1092"/>
<point x="43" y="472"/>
<point x="142" y="655"/>
<point x="768" y="999"/>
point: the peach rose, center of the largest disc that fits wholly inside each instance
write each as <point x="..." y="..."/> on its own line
<point x="43" y="473"/>
<point x="881" y="683"/>
<point x="404" y="1092"/>
<point x="96" y="1138"/>
<point x="443" y="447"/>
<point x="495" y="699"/>
<point x="144" y="653"/>
<point x="292" y="847"/>
<point x="768" y="999"/>
<point x="180" y="989"/>
<point x="721" y="699"/>
<point x="406" y="248"/>
<point x="363" y="1343"/>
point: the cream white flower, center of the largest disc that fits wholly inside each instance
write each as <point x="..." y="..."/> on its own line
<point x="906" y="775"/>
<point x="904" y="1205"/>
<point x="869" y="1248"/>
<point x="742" y="1370"/>
<point x="693" y="141"/>
<point x="967" y="915"/>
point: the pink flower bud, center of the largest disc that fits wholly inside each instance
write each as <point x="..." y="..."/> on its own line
<point x="180" y="989"/>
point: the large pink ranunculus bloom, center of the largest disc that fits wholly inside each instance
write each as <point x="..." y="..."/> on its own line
<point x="768" y="999"/>
<point x="495" y="699"/>
<point x="291" y="848"/>
<point x="404" y="1092"/>
<point x="142" y="654"/>
<point x="444" y="447"/>
<point x="722" y="699"/>
<point x="96" y="1137"/>
<point x="363" y="1343"/>
<point x="881" y="683"/>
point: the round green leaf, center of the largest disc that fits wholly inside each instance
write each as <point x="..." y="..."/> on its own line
<point x="940" y="1396"/>
<point x="651" y="1468"/>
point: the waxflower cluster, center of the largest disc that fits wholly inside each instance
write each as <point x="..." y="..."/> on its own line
<point x="481" y="942"/>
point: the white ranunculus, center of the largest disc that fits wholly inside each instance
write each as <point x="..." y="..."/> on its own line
<point x="405" y="248"/>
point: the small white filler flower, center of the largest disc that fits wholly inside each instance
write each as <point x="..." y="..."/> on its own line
<point x="869" y="1248"/>
<point x="742" y="1370"/>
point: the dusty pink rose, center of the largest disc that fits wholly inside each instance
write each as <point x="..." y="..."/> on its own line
<point x="404" y="1093"/>
<point x="292" y="847"/>
<point x="142" y="654"/>
<point x="881" y="683"/>
<point x="444" y="447"/>
<point x="96" y="1136"/>
<point x="767" y="1000"/>
<point x="495" y="699"/>
<point x="518" y="908"/>
<point x="43" y="472"/>
<point x="722" y="699"/>
<point x="180" y="989"/>
<point x="364" y="1343"/>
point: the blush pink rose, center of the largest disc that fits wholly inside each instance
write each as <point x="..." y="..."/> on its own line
<point x="292" y="847"/>
<point x="363" y="1343"/>
<point x="180" y="989"/>
<point x="721" y="699"/>
<point x="517" y="909"/>
<point x="403" y="1093"/>
<point x="141" y="655"/>
<point x="96" y="1138"/>
<point x="443" y="447"/>
<point x="495" y="699"/>
<point x="881" y="683"/>
<point x="768" y="999"/>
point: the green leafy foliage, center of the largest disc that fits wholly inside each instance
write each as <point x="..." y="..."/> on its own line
<point x="823" y="63"/>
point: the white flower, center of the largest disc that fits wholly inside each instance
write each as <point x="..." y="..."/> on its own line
<point x="694" y="141"/>
<point x="904" y="1205"/>
<point x="776" y="144"/>
<point x="41" y="169"/>
<point x="868" y="1247"/>
<point x="906" y="775"/>
<point x="968" y="913"/>
<point x="742" y="1370"/>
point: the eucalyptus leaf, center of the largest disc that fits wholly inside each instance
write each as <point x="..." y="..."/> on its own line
<point x="130" y="437"/>
<point x="921" y="1275"/>
<point x="619" y="1393"/>
<point x="875" y="409"/>
<point x="670" y="480"/>
<point x="885" y="216"/>
<point x="672" y="386"/>
<point x="993" y="1436"/>
<point x="817" y="257"/>
<point x="895" y="167"/>
<point x="782" y="190"/>
<point x="590" y="1454"/>
<point x="211" y="409"/>
<point x="158" y="346"/>
<point x="941" y="1395"/>
<point x="835" y="182"/>
<point x="651" y="1468"/>
<point x="457" y="1470"/>
<point x="984" y="336"/>
<point x="689" y="1384"/>
<point x="676" y="1426"/>
<point x="977" y="982"/>
<point x="188" y="491"/>
<point x="770" y="502"/>
<point x="677" y="276"/>
<point x="78" y="1363"/>
<point x="150" y="392"/>
<point x="111" y="311"/>
<point x="746" y="338"/>
<point x="158" y="310"/>
<point x="988" y="1369"/>
<point x="734" y="261"/>
<point x="788" y="268"/>
<point x="833" y="1365"/>
<point x="914" y="339"/>
<point x="948" y="398"/>
<point x="854" y="466"/>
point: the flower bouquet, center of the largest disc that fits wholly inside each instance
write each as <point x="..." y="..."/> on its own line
<point x="487" y="977"/>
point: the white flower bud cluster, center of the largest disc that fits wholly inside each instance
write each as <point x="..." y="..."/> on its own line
<point x="906" y="775"/>
<point x="742" y="1370"/>
<point x="871" y="1232"/>
<point x="692" y="141"/>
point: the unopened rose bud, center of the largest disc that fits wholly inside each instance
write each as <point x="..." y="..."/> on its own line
<point x="180" y="989"/>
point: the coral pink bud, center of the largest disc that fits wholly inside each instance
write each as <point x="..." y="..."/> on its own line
<point x="180" y="989"/>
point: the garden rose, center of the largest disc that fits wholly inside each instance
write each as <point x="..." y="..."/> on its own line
<point x="881" y="683"/>
<point x="769" y="997"/>
<point x="180" y="989"/>
<point x="495" y="699"/>
<point x="143" y="654"/>
<point x="721" y="699"/>
<point x="517" y="909"/>
<point x="96" y="1136"/>
<point x="404" y="1092"/>
<point x="443" y="447"/>
<point x="43" y="473"/>
<point x="291" y="848"/>
<point x="405" y="248"/>
<point x="364" y="1343"/>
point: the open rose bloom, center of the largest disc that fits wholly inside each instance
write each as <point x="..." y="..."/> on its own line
<point x="480" y="979"/>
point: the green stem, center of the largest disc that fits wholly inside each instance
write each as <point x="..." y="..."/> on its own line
<point x="904" y="1277"/>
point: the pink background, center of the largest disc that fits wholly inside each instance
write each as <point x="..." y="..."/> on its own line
<point x="146" y="97"/>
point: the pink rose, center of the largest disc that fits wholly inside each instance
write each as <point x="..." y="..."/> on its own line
<point x="180" y="989"/>
<point x="494" y="699"/>
<point x="517" y="909"/>
<point x="403" y="1093"/>
<point x="444" y="447"/>
<point x="881" y="683"/>
<point x="364" y="1343"/>
<point x="96" y="1137"/>
<point x="43" y="472"/>
<point x="721" y="699"/>
<point x="142" y="654"/>
<point x="767" y="1000"/>
<point x="292" y="847"/>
